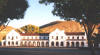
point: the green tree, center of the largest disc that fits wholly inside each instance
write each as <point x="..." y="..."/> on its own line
<point x="30" y="29"/>
<point x="12" y="9"/>
<point x="86" y="12"/>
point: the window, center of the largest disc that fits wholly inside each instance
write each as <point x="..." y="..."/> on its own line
<point x="16" y="37"/>
<point x="68" y="37"/>
<point x="82" y="38"/>
<point x="52" y="37"/>
<point x="12" y="37"/>
<point x="61" y="37"/>
<point x="44" y="38"/>
<point x="72" y="37"/>
<point x="78" y="38"/>
<point x="56" y="37"/>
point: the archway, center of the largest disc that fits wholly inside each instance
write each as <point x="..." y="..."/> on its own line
<point x="82" y="44"/>
<point x="77" y="44"/>
<point x="42" y="44"/>
<point x="52" y="44"/>
<point x="72" y="44"/>
<point x="67" y="44"/>
<point x="62" y="44"/>
<point x="47" y="44"/>
<point x="57" y="44"/>
<point x="38" y="44"/>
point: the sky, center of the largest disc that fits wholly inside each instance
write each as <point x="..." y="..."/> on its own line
<point x="36" y="14"/>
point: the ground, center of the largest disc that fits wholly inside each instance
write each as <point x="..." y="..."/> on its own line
<point x="46" y="51"/>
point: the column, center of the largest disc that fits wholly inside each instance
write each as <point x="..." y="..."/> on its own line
<point x="70" y="45"/>
<point x="74" y="43"/>
<point x="79" y="43"/>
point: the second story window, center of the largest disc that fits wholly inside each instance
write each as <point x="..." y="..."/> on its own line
<point x="52" y="37"/>
<point x="78" y="37"/>
<point x="82" y="38"/>
<point x="61" y="37"/>
<point x="12" y="38"/>
<point x="72" y="37"/>
<point x="56" y="37"/>
<point x="68" y="37"/>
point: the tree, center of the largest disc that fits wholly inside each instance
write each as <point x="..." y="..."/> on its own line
<point x="86" y="12"/>
<point x="12" y="9"/>
<point x="30" y="29"/>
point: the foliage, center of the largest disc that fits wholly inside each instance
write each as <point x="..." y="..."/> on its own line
<point x="30" y="29"/>
<point x="86" y="12"/>
<point x="12" y="9"/>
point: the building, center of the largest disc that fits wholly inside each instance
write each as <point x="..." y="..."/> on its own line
<point x="57" y="38"/>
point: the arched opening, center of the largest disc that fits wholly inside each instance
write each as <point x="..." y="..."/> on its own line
<point x="82" y="44"/>
<point x="57" y="44"/>
<point x="9" y="43"/>
<point x="67" y="44"/>
<point x="72" y="44"/>
<point x="52" y="44"/>
<point x="62" y="43"/>
<point x="38" y="44"/>
<point x="4" y="44"/>
<point x="29" y="44"/>
<point x="77" y="44"/>
<point x="47" y="44"/>
<point x="42" y="44"/>
<point x="13" y="43"/>
<point x="33" y="44"/>
<point x="25" y="43"/>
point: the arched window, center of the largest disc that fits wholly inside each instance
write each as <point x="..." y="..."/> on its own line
<point x="62" y="44"/>
<point x="56" y="37"/>
<point x="57" y="44"/>
<point x="52" y="43"/>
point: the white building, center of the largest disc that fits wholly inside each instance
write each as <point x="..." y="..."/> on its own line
<point x="57" y="38"/>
